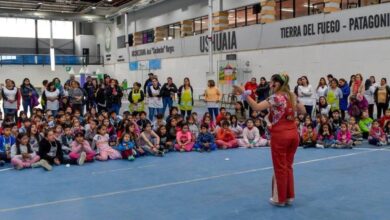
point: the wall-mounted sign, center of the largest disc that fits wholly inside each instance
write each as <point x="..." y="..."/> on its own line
<point x="366" y="23"/>
<point x="222" y="41"/>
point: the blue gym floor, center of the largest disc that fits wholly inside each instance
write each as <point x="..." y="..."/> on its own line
<point x="230" y="184"/>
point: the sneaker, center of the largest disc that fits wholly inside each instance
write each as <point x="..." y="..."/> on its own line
<point x="131" y="158"/>
<point x="357" y="143"/>
<point x="2" y="163"/>
<point x="18" y="167"/>
<point x="45" y="165"/>
<point x="81" y="159"/>
<point x="182" y="150"/>
<point x="333" y="145"/>
<point x="276" y="203"/>
<point x="320" y="146"/>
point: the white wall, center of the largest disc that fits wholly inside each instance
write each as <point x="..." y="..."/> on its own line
<point x="341" y="60"/>
<point x="37" y="74"/>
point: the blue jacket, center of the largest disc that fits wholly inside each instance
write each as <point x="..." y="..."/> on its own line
<point x="4" y="141"/>
<point x="126" y="146"/>
<point x="344" y="101"/>
<point x="205" y="138"/>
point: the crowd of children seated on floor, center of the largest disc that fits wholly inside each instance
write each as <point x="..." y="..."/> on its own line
<point x="44" y="140"/>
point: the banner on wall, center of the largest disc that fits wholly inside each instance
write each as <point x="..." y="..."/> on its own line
<point x="365" y="23"/>
<point x="133" y="66"/>
<point x="227" y="72"/>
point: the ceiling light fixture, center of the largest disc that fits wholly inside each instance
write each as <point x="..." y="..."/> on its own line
<point x="93" y="7"/>
<point x="40" y="3"/>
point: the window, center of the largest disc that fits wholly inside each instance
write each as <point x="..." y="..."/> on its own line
<point x="61" y="29"/>
<point x="200" y="25"/>
<point x="173" y="31"/>
<point x="287" y="9"/>
<point x="251" y="17"/>
<point x="241" y="17"/>
<point x="301" y="8"/>
<point x="232" y="18"/>
<point x="148" y="36"/>
<point x="17" y="27"/>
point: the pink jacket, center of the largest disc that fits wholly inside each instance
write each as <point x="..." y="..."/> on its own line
<point x="377" y="133"/>
<point x="76" y="147"/>
<point x="184" y="137"/>
<point x="340" y="135"/>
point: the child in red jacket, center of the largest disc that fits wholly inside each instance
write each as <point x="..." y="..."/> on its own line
<point x="225" y="137"/>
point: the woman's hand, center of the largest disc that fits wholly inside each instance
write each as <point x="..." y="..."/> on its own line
<point x="238" y="90"/>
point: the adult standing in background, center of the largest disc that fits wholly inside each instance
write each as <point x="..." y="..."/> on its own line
<point x="44" y="86"/>
<point x="299" y="83"/>
<point x="382" y="97"/>
<point x="330" y="78"/>
<point x="101" y="98"/>
<point x="168" y="91"/>
<point x="373" y="82"/>
<point x="369" y="90"/>
<point x="212" y="98"/>
<point x="263" y="90"/>
<point x="155" y="100"/>
<point x="57" y="84"/>
<point x="148" y="82"/>
<point x="333" y="95"/>
<point x="71" y="79"/>
<point x="29" y="96"/>
<point x="52" y="96"/>
<point x="282" y="106"/>
<point x="305" y="95"/>
<point x="351" y="80"/>
<point x="76" y="96"/>
<point x="90" y="90"/>
<point x="251" y="86"/>
<point x="11" y="99"/>
<point x="114" y="95"/>
<point x="321" y="88"/>
<point x="357" y="87"/>
<point x="344" y="87"/>
<point x="186" y="98"/>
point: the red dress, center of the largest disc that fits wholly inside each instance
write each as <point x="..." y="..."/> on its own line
<point x="284" y="143"/>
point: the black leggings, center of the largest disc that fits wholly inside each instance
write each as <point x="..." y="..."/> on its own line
<point x="371" y="110"/>
<point x="183" y="113"/>
<point x="381" y="107"/>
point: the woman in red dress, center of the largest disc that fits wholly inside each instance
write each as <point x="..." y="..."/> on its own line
<point x="282" y="106"/>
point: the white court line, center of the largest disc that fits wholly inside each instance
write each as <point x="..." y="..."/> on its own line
<point x="2" y="170"/>
<point x="123" y="169"/>
<point x="173" y="183"/>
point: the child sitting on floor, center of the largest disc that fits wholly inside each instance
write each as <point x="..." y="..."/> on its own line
<point x="81" y="149"/>
<point x="23" y="156"/>
<point x="166" y="144"/>
<point x="205" y="140"/>
<point x="353" y="127"/>
<point x="377" y="135"/>
<point x="100" y="141"/>
<point x="365" y="124"/>
<point x="184" y="139"/>
<point x="344" y="139"/>
<point x="126" y="146"/>
<point x="325" y="137"/>
<point x="149" y="141"/>
<point x="309" y="138"/>
<point x="225" y="137"/>
<point x="251" y="136"/>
